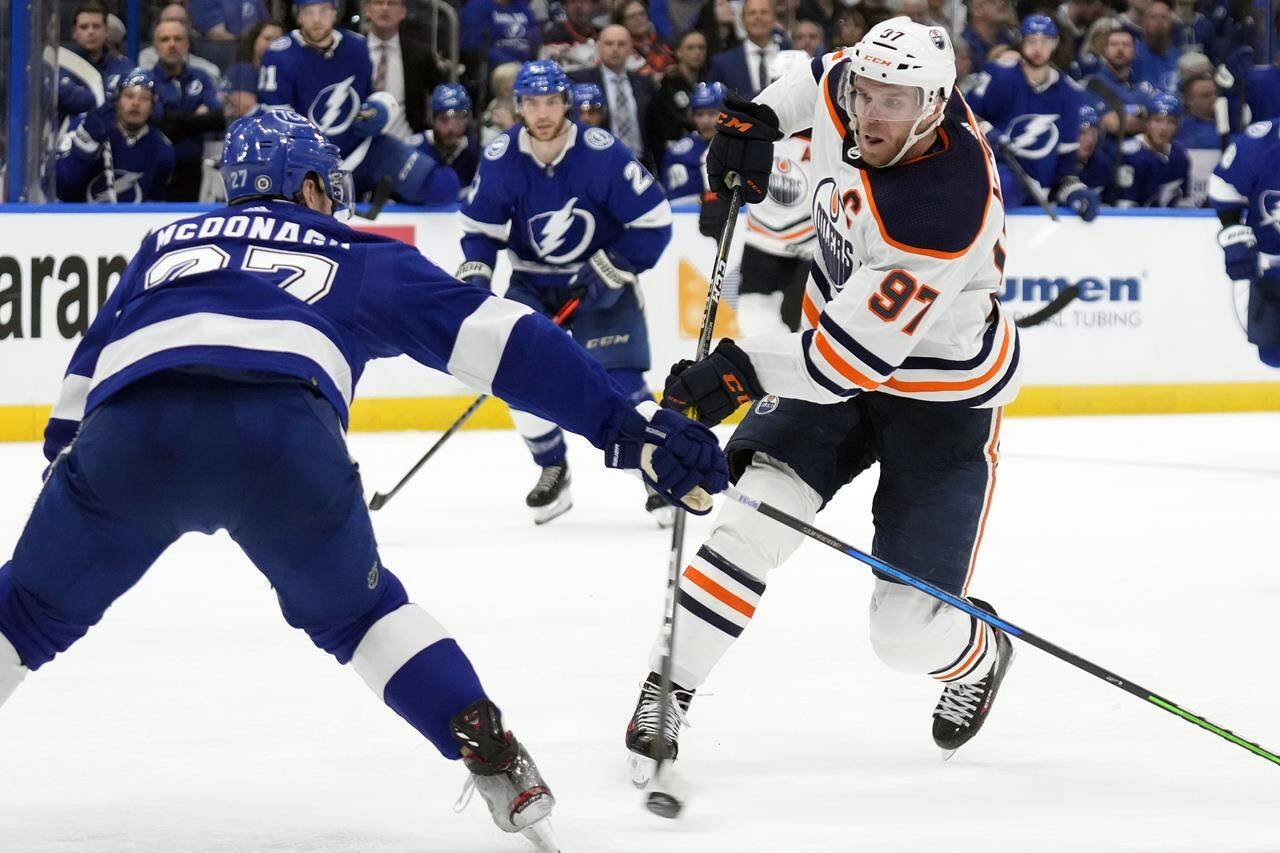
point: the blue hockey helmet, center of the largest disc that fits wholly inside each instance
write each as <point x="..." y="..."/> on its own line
<point x="707" y="96"/>
<point x="450" y="98"/>
<point x="143" y="77"/>
<point x="1039" y="25"/>
<point x="540" y="77"/>
<point x="1164" y="104"/>
<point x="587" y="96"/>
<point x="271" y="153"/>
<point x="1089" y="116"/>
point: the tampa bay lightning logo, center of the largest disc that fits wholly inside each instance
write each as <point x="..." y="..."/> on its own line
<point x="1269" y="208"/>
<point x="561" y="235"/>
<point x="127" y="188"/>
<point x="1034" y="136"/>
<point x="335" y="108"/>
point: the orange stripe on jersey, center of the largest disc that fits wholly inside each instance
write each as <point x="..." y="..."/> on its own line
<point x="992" y="451"/>
<point x="831" y="108"/>
<point x="842" y="367"/>
<point x="961" y="384"/>
<point x="802" y="230"/>
<point x="810" y="311"/>
<point x="718" y="592"/>
<point x="968" y="661"/>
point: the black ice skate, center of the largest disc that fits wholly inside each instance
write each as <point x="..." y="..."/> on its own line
<point x="661" y="511"/>
<point x="963" y="708"/>
<point x="504" y="774"/>
<point x="643" y="728"/>
<point x="550" y="497"/>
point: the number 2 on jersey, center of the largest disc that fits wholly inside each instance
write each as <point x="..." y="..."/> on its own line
<point x="310" y="276"/>
<point x="896" y="291"/>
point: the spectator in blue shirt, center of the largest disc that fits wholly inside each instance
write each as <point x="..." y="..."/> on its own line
<point x="226" y="20"/>
<point x="1198" y="132"/>
<point x="988" y="27"/>
<point x="1115" y="83"/>
<point x="240" y="82"/>
<point x="1156" y="56"/>
<point x="498" y="31"/>
<point x="187" y="106"/>
<point x="89" y="32"/>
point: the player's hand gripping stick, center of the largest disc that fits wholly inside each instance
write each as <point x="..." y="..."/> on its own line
<point x="379" y="500"/>
<point x="996" y="622"/>
<point x="742" y="148"/>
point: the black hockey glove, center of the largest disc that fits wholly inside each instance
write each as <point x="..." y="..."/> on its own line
<point x="715" y="387"/>
<point x="742" y="148"/>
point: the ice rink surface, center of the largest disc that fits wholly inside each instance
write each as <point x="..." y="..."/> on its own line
<point x="193" y="719"/>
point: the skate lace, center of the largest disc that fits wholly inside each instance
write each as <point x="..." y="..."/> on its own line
<point x="549" y="476"/>
<point x="959" y="703"/>
<point x="650" y="713"/>
<point x="468" y="791"/>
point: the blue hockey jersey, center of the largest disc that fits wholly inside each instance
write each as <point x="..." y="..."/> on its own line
<point x="1098" y="172"/>
<point x="1262" y="93"/>
<point x="327" y="86"/>
<point x="1148" y="178"/>
<point x="682" y="167"/>
<point x="1040" y="121"/>
<point x="464" y="160"/>
<point x="186" y="93"/>
<point x="509" y="32"/>
<point x="1248" y="179"/>
<point x="275" y="288"/>
<point x="142" y="165"/>
<point x="551" y="219"/>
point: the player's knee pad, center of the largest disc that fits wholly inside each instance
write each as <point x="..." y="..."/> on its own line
<point x="410" y="662"/>
<point x="761" y="314"/>
<point x="11" y="669"/>
<point x="751" y="542"/>
<point x="632" y="383"/>
<point x="1270" y="356"/>
<point x="916" y="634"/>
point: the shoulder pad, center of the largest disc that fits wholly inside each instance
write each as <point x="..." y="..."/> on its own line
<point x="906" y="200"/>
<point x="281" y="43"/>
<point x="495" y="149"/>
<point x="1258" y="129"/>
<point x="680" y="146"/>
<point x="1132" y="145"/>
<point x="597" y="138"/>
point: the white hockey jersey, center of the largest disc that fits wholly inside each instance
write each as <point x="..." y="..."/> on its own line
<point x="780" y="225"/>
<point x="902" y="289"/>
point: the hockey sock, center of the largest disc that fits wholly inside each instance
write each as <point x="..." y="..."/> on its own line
<point x="409" y="660"/>
<point x="1270" y="356"/>
<point x="11" y="669"/>
<point x="544" y="439"/>
<point x="915" y="634"/>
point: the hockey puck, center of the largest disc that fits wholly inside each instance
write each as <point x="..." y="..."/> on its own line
<point x="664" y="804"/>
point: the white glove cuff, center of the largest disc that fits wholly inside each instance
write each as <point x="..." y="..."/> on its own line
<point x="471" y="269"/>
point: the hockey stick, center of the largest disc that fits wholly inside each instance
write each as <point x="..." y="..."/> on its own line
<point x="381" y="195"/>
<point x="92" y="78"/>
<point x="1032" y="188"/>
<point x="1064" y="298"/>
<point x="661" y="802"/>
<point x="996" y="622"/>
<point x="379" y="500"/>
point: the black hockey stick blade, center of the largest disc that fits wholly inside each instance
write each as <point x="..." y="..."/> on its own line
<point x="994" y="621"/>
<point x="1064" y="298"/>
<point x="381" y="195"/>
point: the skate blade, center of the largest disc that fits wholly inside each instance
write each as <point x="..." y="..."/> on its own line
<point x="947" y="753"/>
<point x="641" y="769"/>
<point x="542" y="836"/>
<point x="553" y="510"/>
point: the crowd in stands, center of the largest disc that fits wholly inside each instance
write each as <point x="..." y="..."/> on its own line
<point x="1162" y="83"/>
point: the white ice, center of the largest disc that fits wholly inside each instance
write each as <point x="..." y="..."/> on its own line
<point x="193" y="719"/>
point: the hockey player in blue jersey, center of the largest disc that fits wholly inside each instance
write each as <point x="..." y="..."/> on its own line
<point x="1245" y="191"/>
<point x="141" y="157"/>
<point x="449" y="140"/>
<point x="325" y="74"/>
<point x="682" y="161"/>
<point x="211" y="392"/>
<point x="1097" y="168"/>
<point x="1155" y="170"/>
<point x="577" y="214"/>
<point x="1032" y="110"/>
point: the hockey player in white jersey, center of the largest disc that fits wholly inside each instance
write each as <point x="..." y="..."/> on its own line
<point x="905" y="359"/>
<point x="779" y="238"/>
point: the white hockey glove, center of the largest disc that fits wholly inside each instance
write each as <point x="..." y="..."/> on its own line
<point x="475" y="272"/>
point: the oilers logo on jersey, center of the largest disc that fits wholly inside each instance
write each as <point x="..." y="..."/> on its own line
<point x="560" y="236"/>
<point x="833" y="214"/>
<point x="336" y="107"/>
<point x="788" y="183"/>
<point x="1034" y="136"/>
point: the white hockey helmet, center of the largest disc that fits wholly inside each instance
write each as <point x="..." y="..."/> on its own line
<point x="905" y="53"/>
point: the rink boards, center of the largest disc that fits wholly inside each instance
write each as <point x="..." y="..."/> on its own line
<point x="1155" y="330"/>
